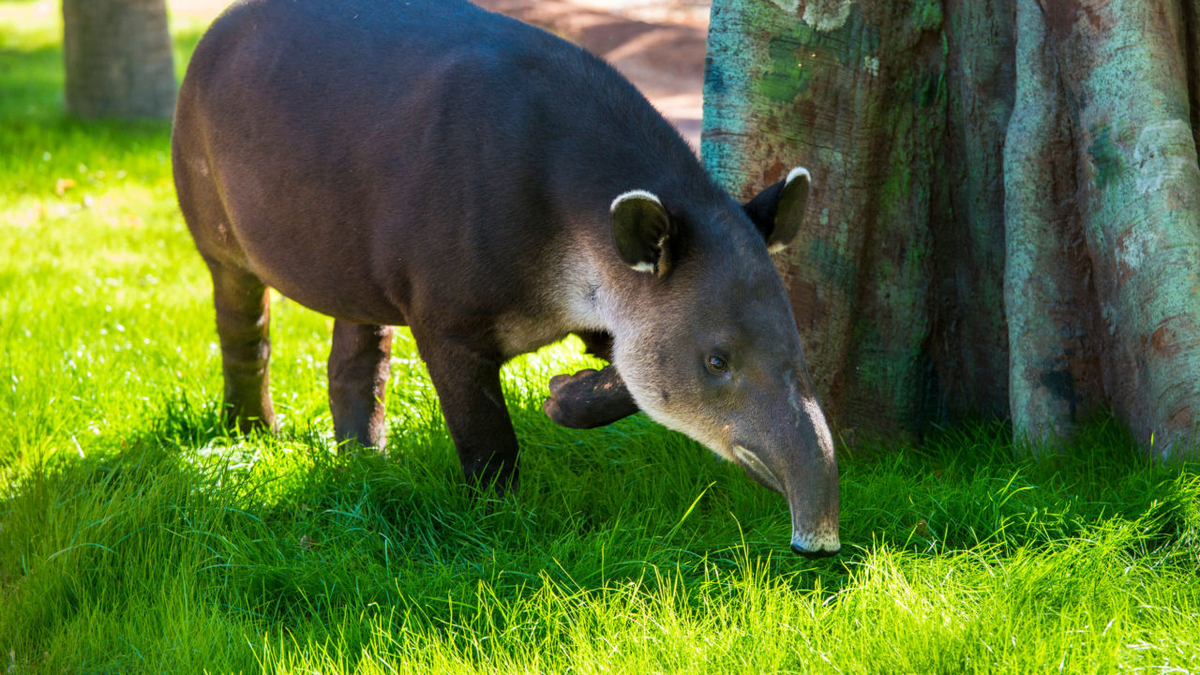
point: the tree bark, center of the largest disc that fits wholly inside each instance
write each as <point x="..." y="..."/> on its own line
<point x="118" y="59"/>
<point x="1004" y="214"/>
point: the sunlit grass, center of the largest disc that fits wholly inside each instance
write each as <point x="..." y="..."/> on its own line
<point x="138" y="535"/>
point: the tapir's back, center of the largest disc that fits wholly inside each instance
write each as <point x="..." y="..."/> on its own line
<point x="387" y="143"/>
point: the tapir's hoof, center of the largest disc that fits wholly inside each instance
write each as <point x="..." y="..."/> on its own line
<point x="246" y="424"/>
<point x="814" y="555"/>
<point x="588" y="399"/>
<point x="562" y="383"/>
<point x="493" y="479"/>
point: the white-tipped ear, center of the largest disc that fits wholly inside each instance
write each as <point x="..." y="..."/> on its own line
<point x="796" y="173"/>
<point x="635" y="194"/>
<point x="778" y="210"/>
<point x="641" y="228"/>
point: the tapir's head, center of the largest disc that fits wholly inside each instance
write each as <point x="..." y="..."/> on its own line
<point x="708" y="346"/>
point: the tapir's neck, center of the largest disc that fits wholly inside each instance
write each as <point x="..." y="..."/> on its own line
<point x="595" y="155"/>
<point x="589" y="289"/>
<point x="601" y="292"/>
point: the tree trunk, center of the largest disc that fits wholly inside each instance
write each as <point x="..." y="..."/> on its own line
<point x="118" y="59"/>
<point x="1004" y="214"/>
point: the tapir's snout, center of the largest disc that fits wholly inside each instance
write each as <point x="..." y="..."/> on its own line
<point x="814" y="507"/>
<point x="797" y="458"/>
<point x="807" y="476"/>
<point x="818" y="553"/>
<point x="824" y="545"/>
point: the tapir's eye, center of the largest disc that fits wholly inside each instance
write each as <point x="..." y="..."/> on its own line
<point x="717" y="364"/>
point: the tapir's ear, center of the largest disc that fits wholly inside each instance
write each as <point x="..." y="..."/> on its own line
<point x="641" y="228"/>
<point x="778" y="210"/>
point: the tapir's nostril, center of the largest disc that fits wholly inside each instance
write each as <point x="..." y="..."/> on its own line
<point x="813" y="555"/>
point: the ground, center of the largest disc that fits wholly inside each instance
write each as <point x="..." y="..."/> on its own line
<point x="659" y="46"/>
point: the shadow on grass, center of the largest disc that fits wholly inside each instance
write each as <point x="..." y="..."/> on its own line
<point x="30" y="79"/>
<point x="969" y="488"/>
<point x="284" y="534"/>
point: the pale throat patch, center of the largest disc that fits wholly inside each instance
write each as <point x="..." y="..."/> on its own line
<point x="710" y="437"/>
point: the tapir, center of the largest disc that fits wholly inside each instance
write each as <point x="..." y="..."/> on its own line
<point x="426" y="163"/>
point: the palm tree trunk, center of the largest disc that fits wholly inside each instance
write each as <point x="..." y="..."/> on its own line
<point x="1004" y="216"/>
<point x="118" y="59"/>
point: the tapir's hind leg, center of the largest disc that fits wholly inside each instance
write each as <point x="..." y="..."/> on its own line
<point x="243" y="317"/>
<point x="468" y="387"/>
<point x="359" y="364"/>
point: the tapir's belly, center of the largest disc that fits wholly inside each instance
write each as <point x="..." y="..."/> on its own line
<point x="311" y="256"/>
<point x="338" y="257"/>
<point x="335" y="291"/>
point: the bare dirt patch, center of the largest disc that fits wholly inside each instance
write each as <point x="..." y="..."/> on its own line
<point x="659" y="46"/>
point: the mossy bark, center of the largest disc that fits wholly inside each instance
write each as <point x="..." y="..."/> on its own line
<point x="1003" y="220"/>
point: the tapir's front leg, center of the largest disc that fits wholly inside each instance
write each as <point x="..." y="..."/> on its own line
<point x="589" y="399"/>
<point x="468" y="386"/>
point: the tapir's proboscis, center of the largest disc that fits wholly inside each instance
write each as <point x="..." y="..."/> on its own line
<point x="429" y="164"/>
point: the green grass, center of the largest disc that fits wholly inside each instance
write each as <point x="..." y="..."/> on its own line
<point x="137" y="535"/>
